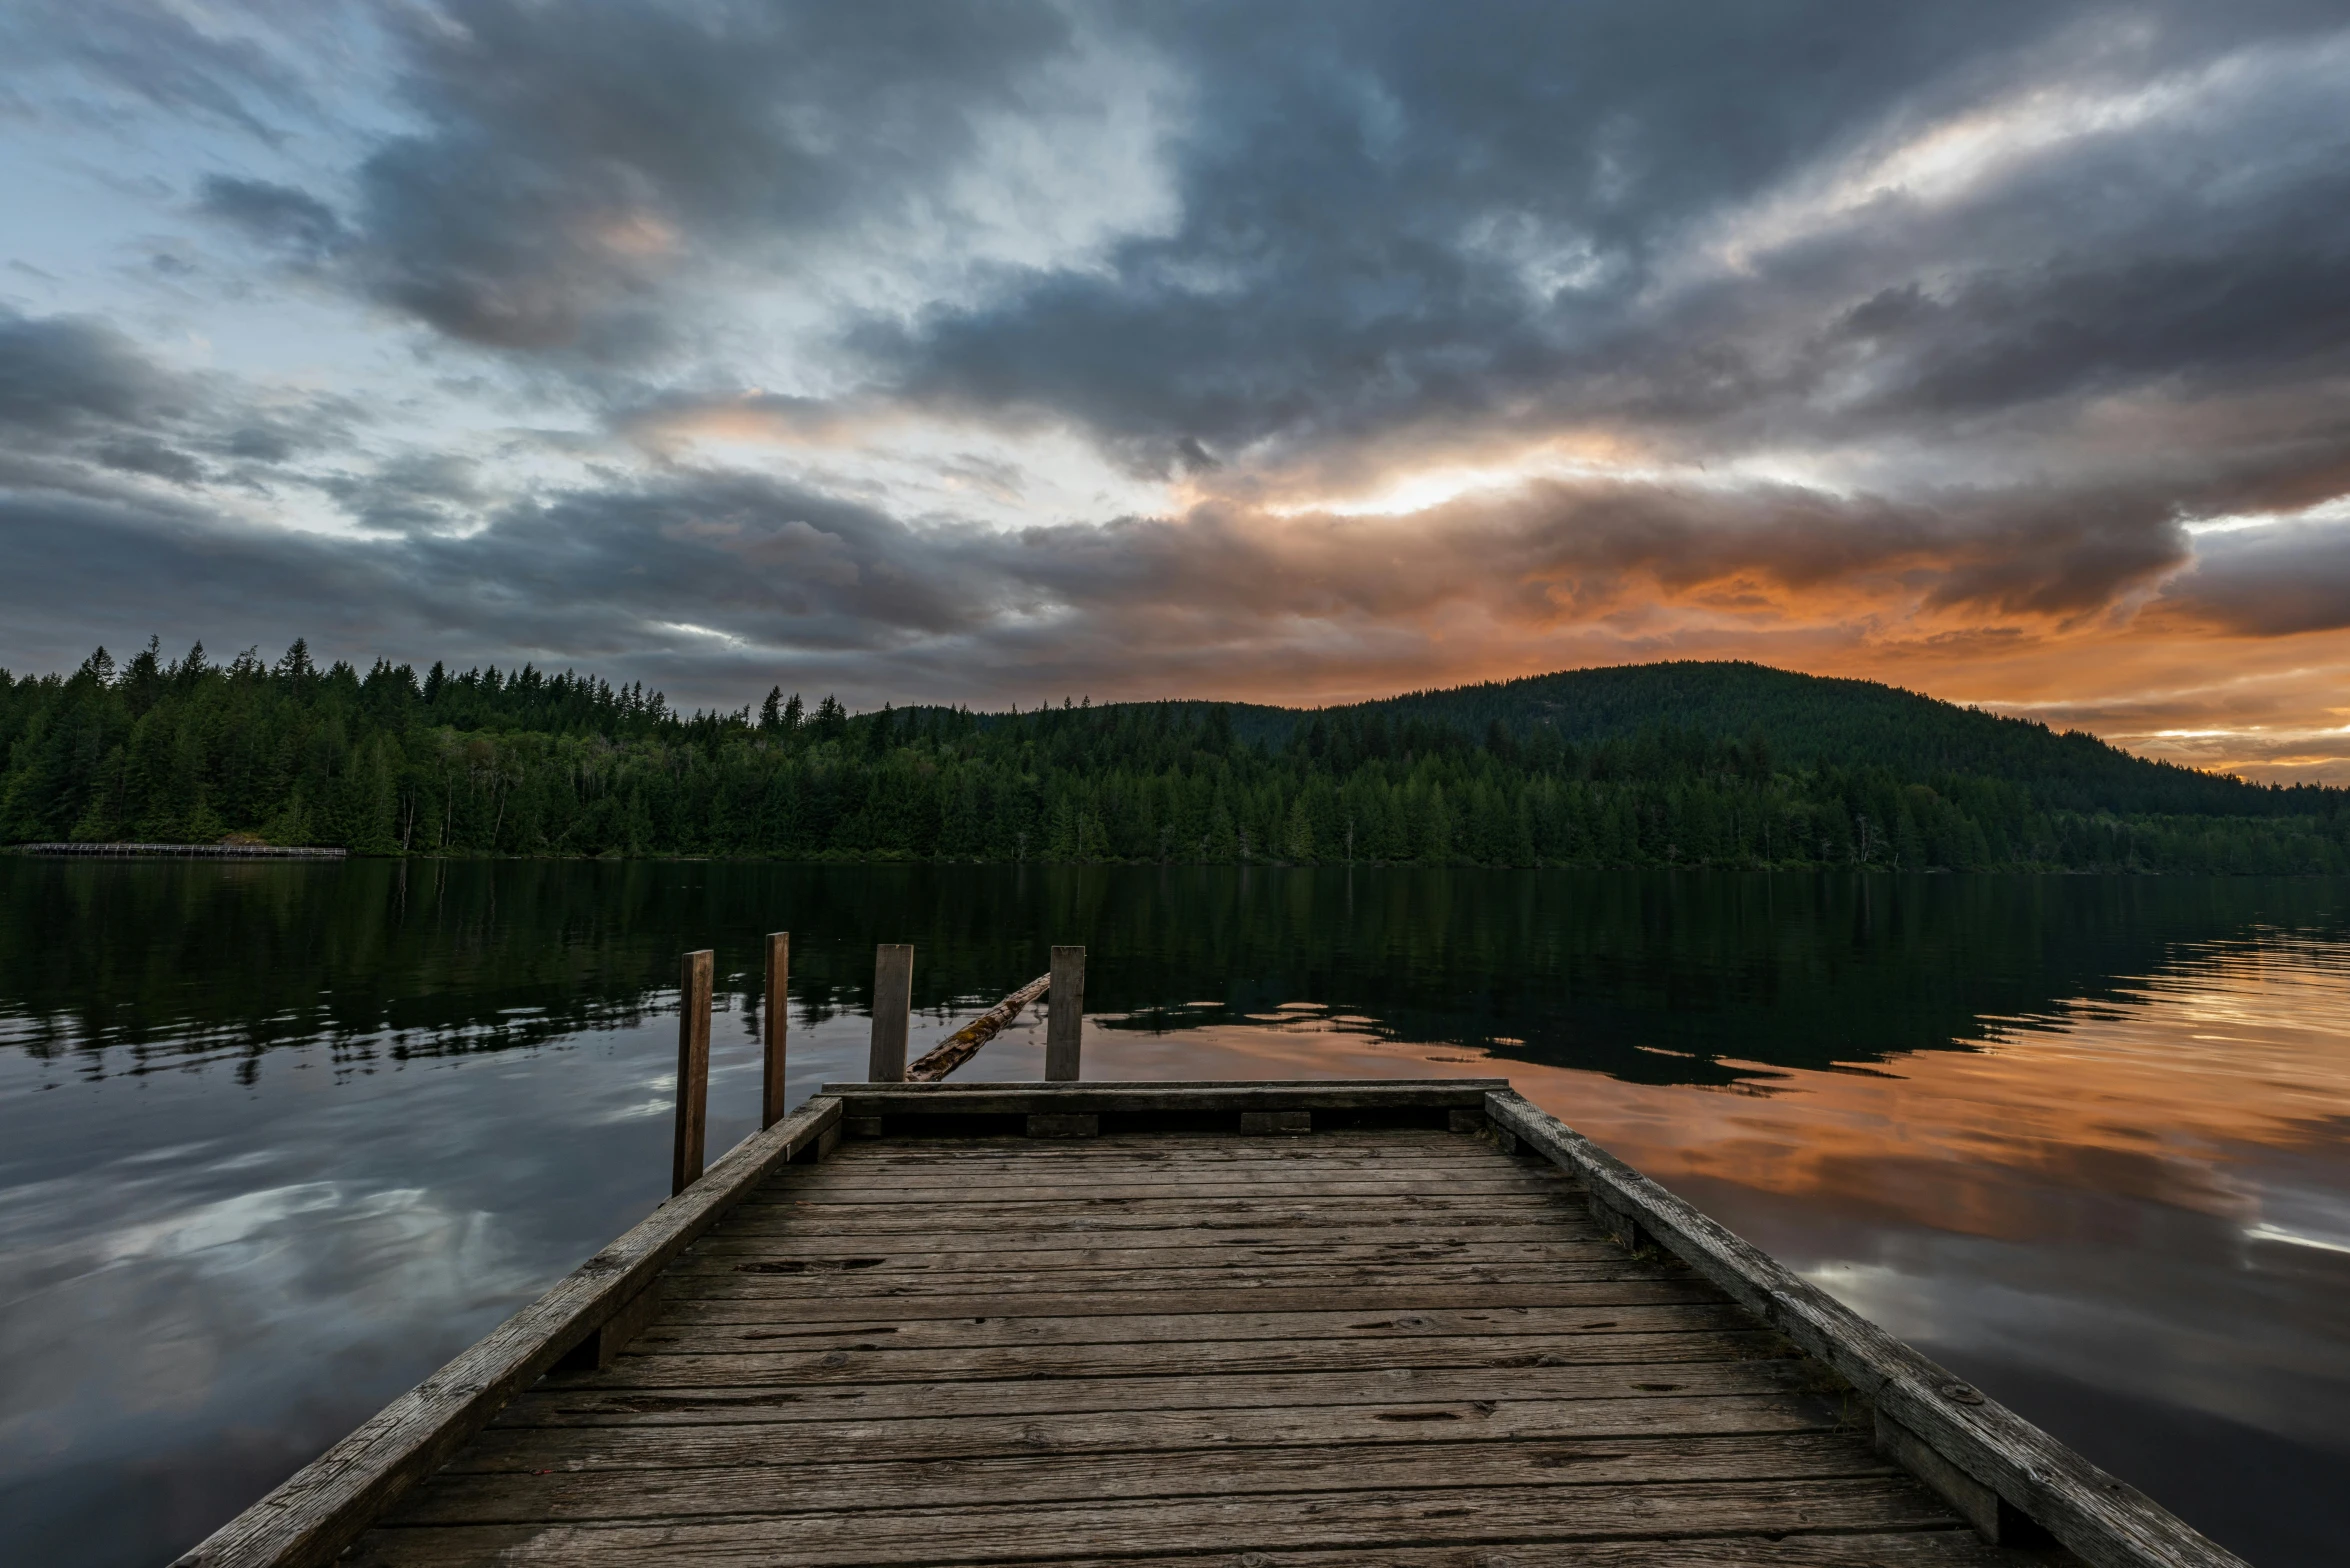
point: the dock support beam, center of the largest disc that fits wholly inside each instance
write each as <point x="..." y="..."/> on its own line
<point x="693" y="1070"/>
<point x="773" y="1023"/>
<point x="893" y="1006"/>
<point x="1064" y="1027"/>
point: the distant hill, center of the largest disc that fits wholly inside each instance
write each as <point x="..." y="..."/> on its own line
<point x="1813" y="719"/>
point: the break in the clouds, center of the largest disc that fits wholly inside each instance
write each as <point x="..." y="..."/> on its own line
<point x="988" y="353"/>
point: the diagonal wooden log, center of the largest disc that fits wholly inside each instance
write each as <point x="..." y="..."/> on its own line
<point x="959" y="1047"/>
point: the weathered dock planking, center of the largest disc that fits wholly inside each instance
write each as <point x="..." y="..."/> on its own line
<point x="1416" y="1324"/>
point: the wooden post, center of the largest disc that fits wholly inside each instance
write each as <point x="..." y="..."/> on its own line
<point x="1064" y="1025"/>
<point x="773" y="1024"/>
<point x="893" y="1004"/>
<point x="693" y="1069"/>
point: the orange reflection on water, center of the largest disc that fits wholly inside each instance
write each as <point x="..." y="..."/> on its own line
<point x="2165" y="1097"/>
<point x="2130" y="1220"/>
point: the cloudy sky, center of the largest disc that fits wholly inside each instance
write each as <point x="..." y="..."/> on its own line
<point x="992" y="352"/>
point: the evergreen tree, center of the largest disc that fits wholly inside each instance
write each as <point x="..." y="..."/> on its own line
<point x="486" y="762"/>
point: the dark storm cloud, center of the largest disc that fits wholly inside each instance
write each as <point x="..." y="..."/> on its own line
<point x="598" y="578"/>
<point x="1363" y="194"/>
<point x="80" y="402"/>
<point x="568" y="151"/>
<point x="2268" y="582"/>
<point x="1557" y="552"/>
<point x="1377" y="206"/>
<point x="1404" y="223"/>
<point x="58" y="373"/>
<point x="2204" y="296"/>
<point x="1945" y="318"/>
<point x="717" y="582"/>
<point x="413" y="492"/>
<point x="1388" y="215"/>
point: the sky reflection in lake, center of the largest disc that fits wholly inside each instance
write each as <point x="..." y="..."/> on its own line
<point x="272" y="1147"/>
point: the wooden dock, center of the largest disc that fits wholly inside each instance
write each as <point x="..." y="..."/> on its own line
<point x="1317" y="1325"/>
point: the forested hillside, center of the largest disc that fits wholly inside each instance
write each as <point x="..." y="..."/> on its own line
<point x="1811" y="719"/>
<point x="1685" y="764"/>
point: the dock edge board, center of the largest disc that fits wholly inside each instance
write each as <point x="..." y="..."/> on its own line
<point x="1996" y="1468"/>
<point x="323" y="1507"/>
<point x="861" y="1101"/>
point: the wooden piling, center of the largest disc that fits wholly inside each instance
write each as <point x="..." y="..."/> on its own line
<point x="772" y="1026"/>
<point x="1064" y="1026"/>
<point x="693" y="1070"/>
<point x="893" y="1005"/>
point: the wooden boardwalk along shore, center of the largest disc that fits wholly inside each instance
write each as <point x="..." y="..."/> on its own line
<point x="189" y="851"/>
<point x="1414" y="1324"/>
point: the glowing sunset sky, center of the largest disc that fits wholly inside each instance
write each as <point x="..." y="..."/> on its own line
<point x="990" y="353"/>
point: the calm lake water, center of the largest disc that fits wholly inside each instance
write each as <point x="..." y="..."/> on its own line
<point x="276" y="1140"/>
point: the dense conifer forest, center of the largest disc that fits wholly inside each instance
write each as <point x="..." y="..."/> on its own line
<point x="1668" y="764"/>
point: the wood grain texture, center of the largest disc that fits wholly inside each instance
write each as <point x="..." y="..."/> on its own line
<point x="693" y="1071"/>
<point x="1362" y="1517"/>
<point x="1050" y="1291"/>
<point x="903" y="1255"/>
<point x="1916" y="1549"/>
<point x="724" y="1322"/>
<point x="1408" y="1451"/>
<point x="890" y="1098"/>
<point x="1368" y="1298"/>
<point x="959" y="1047"/>
<point x="784" y="1229"/>
<point x="879" y="1359"/>
<point x="1910" y="1549"/>
<point x="1064" y="1028"/>
<point x="988" y="1210"/>
<point x="774" y="1029"/>
<point x="923" y="1155"/>
<point x="1412" y="1186"/>
<point x="824" y="1480"/>
<point x="1164" y="1387"/>
<point x="893" y="1008"/>
<point x="833" y="1421"/>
